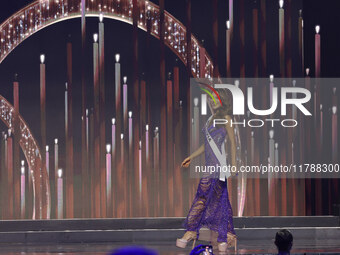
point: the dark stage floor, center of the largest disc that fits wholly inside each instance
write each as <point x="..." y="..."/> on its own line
<point x="312" y="235"/>
<point x="165" y="248"/>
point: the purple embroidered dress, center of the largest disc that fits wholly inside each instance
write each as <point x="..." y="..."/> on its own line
<point x="211" y="206"/>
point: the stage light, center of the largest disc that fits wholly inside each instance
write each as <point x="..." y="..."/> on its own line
<point x="121" y="136"/>
<point x="271" y="78"/>
<point x="271" y="134"/>
<point x="101" y="17"/>
<point x="60" y="173"/>
<point x="317" y="29"/>
<point x="196" y="101"/>
<point x="113" y="121"/>
<point x="124" y="79"/>
<point x="307" y="71"/>
<point x="117" y="56"/>
<point x="108" y="148"/>
<point x="130" y="114"/>
<point x="55" y="141"/>
<point x="334" y="109"/>
<point x="42" y="58"/>
<point x="47" y="148"/>
<point x="95" y="38"/>
<point x="147" y="127"/>
<point x="281" y="3"/>
<point x="228" y="24"/>
<point x="22" y="169"/>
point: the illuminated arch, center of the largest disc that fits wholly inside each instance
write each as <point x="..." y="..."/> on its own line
<point x="42" y="13"/>
<point x="41" y="194"/>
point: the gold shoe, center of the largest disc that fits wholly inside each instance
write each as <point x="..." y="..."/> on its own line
<point x="222" y="247"/>
<point x="188" y="236"/>
<point x="231" y="242"/>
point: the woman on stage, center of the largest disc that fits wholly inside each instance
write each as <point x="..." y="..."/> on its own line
<point x="211" y="207"/>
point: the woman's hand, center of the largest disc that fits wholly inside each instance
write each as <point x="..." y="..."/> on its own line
<point x="186" y="162"/>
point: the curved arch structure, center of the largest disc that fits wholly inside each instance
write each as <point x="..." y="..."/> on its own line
<point x="41" y="190"/>
<point x="42" y="13"/>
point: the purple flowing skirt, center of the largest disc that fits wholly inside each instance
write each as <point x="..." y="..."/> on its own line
<point x="211" y="206"/>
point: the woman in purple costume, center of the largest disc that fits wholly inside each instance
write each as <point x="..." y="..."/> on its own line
<point x="211" y="206"/>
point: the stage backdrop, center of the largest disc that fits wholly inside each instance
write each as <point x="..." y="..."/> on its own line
<point x="98" y="115"/>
